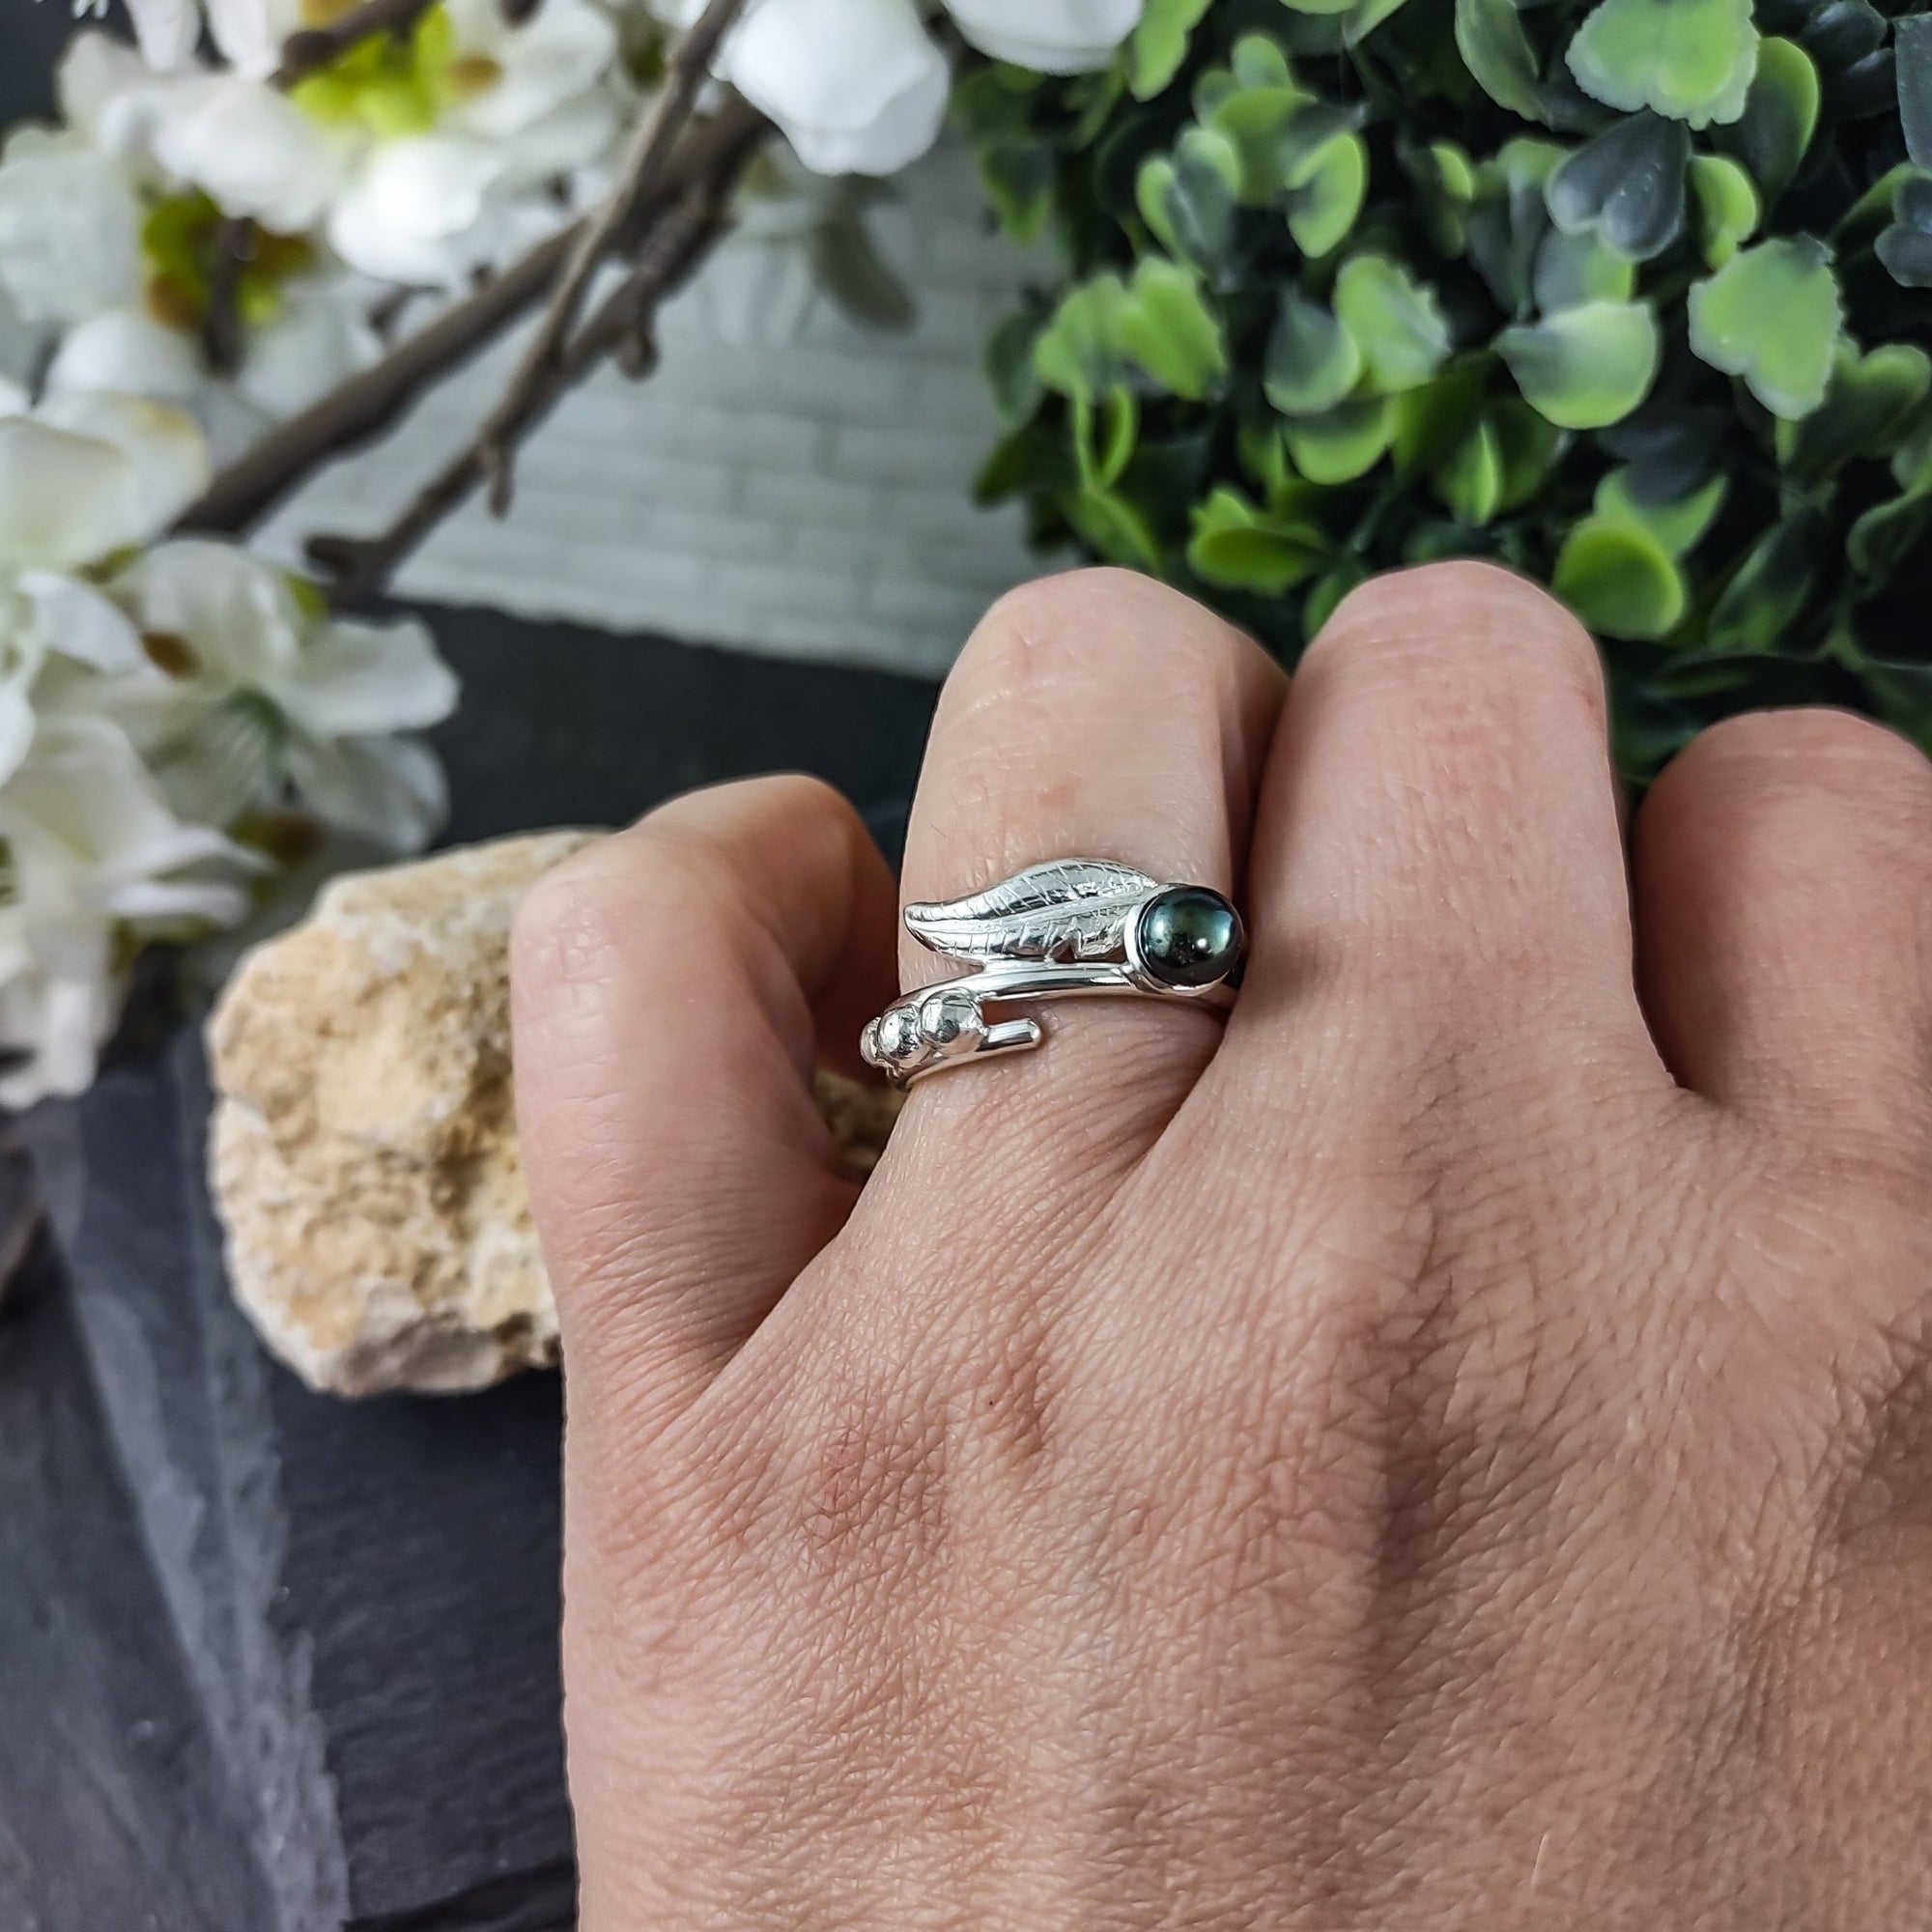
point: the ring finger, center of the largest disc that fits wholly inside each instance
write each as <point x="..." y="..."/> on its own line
<point x="1094" y="715"/>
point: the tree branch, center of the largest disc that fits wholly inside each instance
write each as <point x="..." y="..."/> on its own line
<point x="314" y="48"/>
<point x="368" y="403"/>
<point x="622" y="327"/>
<point x="640" y="176"/>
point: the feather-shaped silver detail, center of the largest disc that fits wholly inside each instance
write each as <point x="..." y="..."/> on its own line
<point x="1066" y="909"/>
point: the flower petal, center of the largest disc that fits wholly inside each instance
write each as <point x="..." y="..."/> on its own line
<point x="127" y="350"/>
<point x="69" y="232"/>
<point x="389" y="789"/>
<point x="166" y="31"/>
<point x="251" y="149"/>
<point x="65" y="500"/>
<point x="1048" y="36"/>
<point x="78" y="621"/>
<point x="557" y="55"/>
<point x="165" y="451"/>
<point x="856" y="86"/>
<point x="414" y="214"/>
<point x="354" y="680"/>
<point x="250" y="33"/>
<point x="310" y="346"/>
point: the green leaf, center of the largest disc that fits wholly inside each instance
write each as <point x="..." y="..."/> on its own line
<point x="1165" y="324"/>
<point x="1692" y="60"/>
<point x="1312" y="360"/>
<point x="1779" y="118"/>
<point x="859" y="279"/>
<point x="1586" y="367"/>
<point x="1727" y="207"/>
<point x="1079" y="352"/>
<point x="1871" y="401"/>
<point x="1317" y="6"/>
<point x="1429" y="421"/>
<point x="1763" y="601"/>
<point x="1529" y="444"/>
<point x="1243" y="548"/>
<point x="1395" y="321"/>
<point x="1188" y="201"/>
<point x="1471" y="478"/>
<point x="1104" y="441"/>
<point x="1619" y="580"/>
<point x="1912" y="49"/>
<point x="1509" y="218"/>
<point x="1114" y="528"/>
<point x="1011" y="371"/>
<point x="1771" y="315"/>
<point x="1365" y="16"/>
<point x="1325" y="195"/>
<point x="1496" y="51"/>
<point x="1018" y="179"/>
<point x="1343" y="443"/>
<point x="1625" y="186"/>
<point x="1676" y="523"/>
<point x="1888" y="533"/>
<point x="1572" y="269"/>
<point x="1158" y="43"/>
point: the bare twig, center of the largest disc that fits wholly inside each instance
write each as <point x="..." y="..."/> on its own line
<point x="314" y="48"/>
<point x="621" y="327"/>
<point x="644" y="167"/>
<point x="368" y="403"/>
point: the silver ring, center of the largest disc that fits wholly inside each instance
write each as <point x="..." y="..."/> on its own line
<point x="1071" y="928"/>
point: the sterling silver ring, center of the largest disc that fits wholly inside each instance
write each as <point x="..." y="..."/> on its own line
<point x="1071" y="928"/>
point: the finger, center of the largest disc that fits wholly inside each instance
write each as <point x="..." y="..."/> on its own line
<point x="1094" y="715"/>
<point x="1439" y="844"/>
<point x="1784" y="867"/>
<point x="670" y="986"/>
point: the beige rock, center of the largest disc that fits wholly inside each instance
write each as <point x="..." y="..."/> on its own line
<point x="364" y="1151"/>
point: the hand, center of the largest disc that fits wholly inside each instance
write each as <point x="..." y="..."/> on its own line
<point x="1451" y="1451"/>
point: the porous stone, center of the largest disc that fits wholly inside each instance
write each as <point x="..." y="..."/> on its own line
<point x="363" y="1149"/>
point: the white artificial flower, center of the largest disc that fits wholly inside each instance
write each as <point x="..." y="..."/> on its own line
<point x="93" y="853"/>
<point x="418" y="211"/>
<point x="533" y="110"/>
<point x="83" y="477"/>
<point x="1049" y="36"/>
<point x="250" y="682"/>
<point x="250" y="148"/>
<point x="250" y="34"/>
<point x="167" y="32"/>
<point x="860" y="86"/>
<point x="70" y="228"/>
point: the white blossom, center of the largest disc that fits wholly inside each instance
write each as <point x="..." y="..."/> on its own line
<point x="70" y="228"/>
<point x="250" y="684"/>
<point x="250" y="148"/>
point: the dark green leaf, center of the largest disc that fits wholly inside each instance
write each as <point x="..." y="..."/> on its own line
<point x="1762" y="602"/>
<point x="858" y="278"/>
<point x="1496" y="51"/>
<point x="1312" y="360"/>
<point x="1781" y="116"/>
<point x="1911" y="45"/>
<point x="1018" y="177"/>
<point x="1626" y="185"/>
<point x="1870" y="400"/>
<point x="1010" y="366"/>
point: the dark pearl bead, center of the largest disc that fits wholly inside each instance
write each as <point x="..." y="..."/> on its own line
<point x="1189" y="937"/>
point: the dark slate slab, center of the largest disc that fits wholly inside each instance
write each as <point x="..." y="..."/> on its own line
<point x="346" y="1612"/>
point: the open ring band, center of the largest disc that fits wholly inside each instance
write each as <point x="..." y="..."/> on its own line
<point x="1071" y="928"/>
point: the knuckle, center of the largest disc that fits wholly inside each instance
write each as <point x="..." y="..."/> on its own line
<point x="1433" y="620"/>
<point x="1812" y="751"/>
<point x="1078" y="625"/>
<point x="562" y="933"/>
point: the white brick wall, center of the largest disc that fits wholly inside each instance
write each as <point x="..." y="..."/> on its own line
<point x="810" y="500"/>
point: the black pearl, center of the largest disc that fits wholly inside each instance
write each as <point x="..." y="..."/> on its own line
<point x="1188" y="936"/>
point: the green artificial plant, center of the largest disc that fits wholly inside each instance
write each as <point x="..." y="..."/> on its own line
<point x="1635" y="296"/>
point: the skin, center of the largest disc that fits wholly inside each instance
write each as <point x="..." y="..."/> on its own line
<point x="1452" y="1450"/>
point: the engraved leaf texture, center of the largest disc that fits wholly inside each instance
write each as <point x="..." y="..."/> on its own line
<point x="1066" y="909"/>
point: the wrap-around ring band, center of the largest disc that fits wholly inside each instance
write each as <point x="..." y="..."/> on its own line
<point x="1071" y="928"/>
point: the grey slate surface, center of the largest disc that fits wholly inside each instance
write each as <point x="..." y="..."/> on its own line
<point x="270" y="1662"/>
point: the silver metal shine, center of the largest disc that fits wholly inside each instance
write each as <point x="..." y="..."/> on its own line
<point x="1066" y="929"/>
